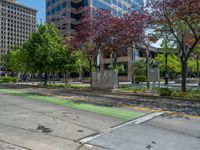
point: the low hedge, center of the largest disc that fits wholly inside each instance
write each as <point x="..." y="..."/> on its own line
<point x="195" y="94"/>
<point x="188" y="94"/>
<point x="14" y="79"/>
<point x="8" y="79"/>
<point x="165" y="92"/>
<point x="134" y="90"/>
<point x="140" y="79"/>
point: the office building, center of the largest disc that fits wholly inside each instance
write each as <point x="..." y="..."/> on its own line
<point x="17" y="22"/>
<point x="66" y="14"/>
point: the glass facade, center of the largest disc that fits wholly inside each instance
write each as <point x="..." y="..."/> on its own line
<point x="118" y="7"/>
<point x="56" y="6"/>
<point x="66" y="14"/>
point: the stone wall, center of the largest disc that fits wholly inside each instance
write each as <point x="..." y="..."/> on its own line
<point x="105" y="80"/>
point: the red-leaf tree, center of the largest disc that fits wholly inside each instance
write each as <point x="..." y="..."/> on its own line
<point x="109" y="34"/>
<point x="181" y="20"/>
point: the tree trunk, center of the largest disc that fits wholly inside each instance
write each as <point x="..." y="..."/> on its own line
<point x="45" y="78"/>
<point x="67" y="76"/>
<point x="32" y="77"/>
<point x="115" y="62"/>
<point x="49" y="78"/>
<point x="80" y="73"/>
<point x="184" y="74"/>
<point x="53" y="76"/>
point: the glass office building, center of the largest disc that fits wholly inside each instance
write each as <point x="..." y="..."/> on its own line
<point x="65" y="14"/>
<point x="118" y="7"/>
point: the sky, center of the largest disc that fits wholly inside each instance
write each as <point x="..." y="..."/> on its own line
<point x="39" y="5"/>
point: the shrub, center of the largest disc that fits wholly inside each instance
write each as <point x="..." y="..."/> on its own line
<point x="7" y="79"/>
<point x="188" y="94"/>
<point x="140" y="79"/>
<point x="124" y="86"/>
<point x="134" y="90"/>
<point x="14" y="79"/>
<point x="165" y="92"/>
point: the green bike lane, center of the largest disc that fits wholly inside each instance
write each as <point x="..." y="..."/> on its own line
<point x="32" y="121"/>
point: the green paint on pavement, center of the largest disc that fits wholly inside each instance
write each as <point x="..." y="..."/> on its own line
<point x="107" y="111"/>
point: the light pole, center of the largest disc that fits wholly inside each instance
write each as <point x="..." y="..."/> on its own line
<point x="166" y="69"/>
<point x="147" y="69"/>
<point x="198" y="72"/>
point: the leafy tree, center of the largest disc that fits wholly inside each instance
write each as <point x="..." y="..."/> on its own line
<point x="181" y="20"/>
<point x="14" y="60"/>
<point x="44" y="52"/>
<point x="107" y="34"/>
<point x="139" y="68"/>
<point x="174" y="64"/>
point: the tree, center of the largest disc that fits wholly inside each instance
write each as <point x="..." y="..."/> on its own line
<point x="14" y="60"/>
<point x="44" y="53"/>
<point x="42" y="49"/>
<point x="197" y="57"/>
<point x="181" y="20"/>
<point x="139" y="68"/>
<point x="174" y="64"/>
<point x="107" y="34"/>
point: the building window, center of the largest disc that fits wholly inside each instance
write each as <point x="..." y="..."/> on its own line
<point x="64" y="4"/>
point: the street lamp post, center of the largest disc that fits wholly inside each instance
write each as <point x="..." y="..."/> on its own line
<point x="166" y="69"/>
<point x="147" y="69"/>
<point x="198" y="67"/>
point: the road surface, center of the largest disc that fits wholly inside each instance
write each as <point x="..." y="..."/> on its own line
<point x="27" y="124"/>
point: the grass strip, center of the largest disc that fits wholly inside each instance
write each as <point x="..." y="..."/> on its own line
<point x="107" y="111"/>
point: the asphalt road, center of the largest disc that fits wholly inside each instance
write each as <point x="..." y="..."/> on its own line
<point x="35" y="125"/>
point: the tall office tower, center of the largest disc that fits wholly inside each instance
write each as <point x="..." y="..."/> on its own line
<point x="66" y="14"/>
<point x="17" y="22"/>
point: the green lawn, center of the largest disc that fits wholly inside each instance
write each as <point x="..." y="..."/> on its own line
<point x="107" y="111"/>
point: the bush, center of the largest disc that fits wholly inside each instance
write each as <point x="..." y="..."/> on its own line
<point x="7" y="79"/>
<point x="134" y="90"/>
<point x="124" y="86"/>
<point x="140" y="79"/>
<point x="14" y="79"/>
<point x="188" y="94"/>
<point x="165" y="92"/>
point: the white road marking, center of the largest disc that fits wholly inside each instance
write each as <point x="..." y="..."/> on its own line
<point x="135" y="121"/>
<point x="88" y="145"/>
<point x="148" y="117"/>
